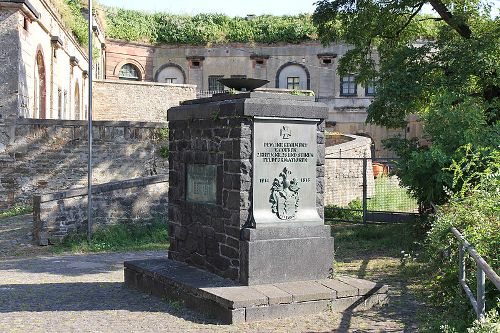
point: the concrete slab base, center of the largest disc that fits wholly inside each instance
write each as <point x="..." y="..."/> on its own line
<point x="232" y="303"/>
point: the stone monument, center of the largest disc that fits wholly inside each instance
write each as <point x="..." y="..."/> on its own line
<point x="247" y="236"/>
<point x="246" y="187"/>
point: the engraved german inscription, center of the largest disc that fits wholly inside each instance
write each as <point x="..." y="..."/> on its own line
<point x="284" y="183"/>
<point x="201" y="183"/>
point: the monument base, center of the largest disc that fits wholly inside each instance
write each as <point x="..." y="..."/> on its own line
<point x="285" y="254"/>
<point x="231" y="303"/>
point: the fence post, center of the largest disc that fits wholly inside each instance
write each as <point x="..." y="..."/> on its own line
<point x="365" y="190"/>
<point x="461" y="259"/>
<point x="481" y="280"/>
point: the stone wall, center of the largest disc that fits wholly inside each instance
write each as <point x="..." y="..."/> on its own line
<point x="51" y="155"/>
<point x="344" y="177"/>
<point x="58" y="214"/>
<point x="9" y="74"/>
<point x="137" y="101"/>
<point x="208" y="236"/>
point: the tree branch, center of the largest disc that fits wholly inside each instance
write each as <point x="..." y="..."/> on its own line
<point x="400" y="30"/>
<point x="460" y="27"/>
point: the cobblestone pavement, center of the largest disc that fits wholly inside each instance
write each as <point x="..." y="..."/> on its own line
<point x="85" y="293"/>
<point x="16" y="239"/>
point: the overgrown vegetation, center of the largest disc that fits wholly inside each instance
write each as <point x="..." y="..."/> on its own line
<point x="161" y="139"/>
<point x="477" y="216"/>
<point x="121" y="237"/>
<point x="71" y="14"/>
<point x="16" y="211"/>
<point x="205" y="29"/>
<point x="444" y="69"/>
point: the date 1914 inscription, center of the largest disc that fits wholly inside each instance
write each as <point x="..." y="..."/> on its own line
<point x="201" y="183"/>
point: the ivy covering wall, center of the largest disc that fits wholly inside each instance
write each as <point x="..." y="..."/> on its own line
<point x="204" y="29"/>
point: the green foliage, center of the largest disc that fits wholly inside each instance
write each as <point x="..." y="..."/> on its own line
<point x="71" y="14"/>
<point x="120" y="237"/>
<point x="164" y="151"/>
<point x="353" y="211"/>
<point x="162" y="133"/>
<point x="491" y="324"/>
<point x="477" y="217"/>
<point x="389" y="196"/>
<point x="16" y="211"/>
<point x="420" y="170"/>
<point x="423" y="63"/>
<point x="433" y="173"/>
<point x="205" y="29"/>
<point x="301" y="93"/>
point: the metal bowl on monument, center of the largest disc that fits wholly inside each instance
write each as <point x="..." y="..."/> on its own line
<point x="243" y="84"/>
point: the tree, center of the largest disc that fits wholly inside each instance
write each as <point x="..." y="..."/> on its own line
<point x="445" y="68"/>
<point x="419" y="55"/>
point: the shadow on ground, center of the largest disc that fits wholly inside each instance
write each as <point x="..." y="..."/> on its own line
<point x="76" y="265"/>
<point x="92" y="296"/>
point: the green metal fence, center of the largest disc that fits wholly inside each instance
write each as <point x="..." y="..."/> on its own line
<point x="365" y="189"/>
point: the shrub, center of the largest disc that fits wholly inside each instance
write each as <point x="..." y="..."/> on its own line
<point x="205" y="29"/>
<point x="477" y="217"/>
<point x="353" y="211"/>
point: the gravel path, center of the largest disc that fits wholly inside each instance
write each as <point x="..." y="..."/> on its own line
<point x="85" y="293"/>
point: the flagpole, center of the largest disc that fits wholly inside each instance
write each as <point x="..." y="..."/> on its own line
<point x="89" y="159"/>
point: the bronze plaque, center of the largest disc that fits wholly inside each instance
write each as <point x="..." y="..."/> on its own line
<point x="201" y="183"/>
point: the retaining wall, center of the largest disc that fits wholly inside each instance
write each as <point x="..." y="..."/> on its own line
<point x="344" y="177"/>
<point x="56" y="215"/>
<point x="51" y="155"/>
<point x="137" y="101"/>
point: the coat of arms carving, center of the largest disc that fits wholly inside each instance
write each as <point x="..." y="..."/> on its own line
<point x="284" y="197"/>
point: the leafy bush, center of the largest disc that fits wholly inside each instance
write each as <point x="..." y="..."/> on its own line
<point x="353" y="211"/>
<point x="204" y="29"/>
<point x="490" y="324"/>
<point x="477" y="217"/>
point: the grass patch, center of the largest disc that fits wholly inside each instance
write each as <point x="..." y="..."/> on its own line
<point x="121" y="237"/>
<point x="389" y="196"/>
<point x="16" y="211"/>
<point x="389" y="239"/>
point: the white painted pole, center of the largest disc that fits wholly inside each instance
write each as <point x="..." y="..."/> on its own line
<point x="89" y="159"/>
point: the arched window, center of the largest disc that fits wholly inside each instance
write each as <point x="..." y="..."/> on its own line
<point x="293" y="76"/>
<point x="77" y="102"/>
<point x="170" y="73"/>
<point x="40" y="88"/>
<point x="129" y="72"/>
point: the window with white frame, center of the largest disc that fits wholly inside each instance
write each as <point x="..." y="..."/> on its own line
<point x="170" y="80"/>
<point x="348" y="85"/>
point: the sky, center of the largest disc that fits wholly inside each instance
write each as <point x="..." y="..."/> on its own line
<point x="232" y="8"/>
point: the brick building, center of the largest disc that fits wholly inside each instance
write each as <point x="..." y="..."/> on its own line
<point x="306" y="66"/>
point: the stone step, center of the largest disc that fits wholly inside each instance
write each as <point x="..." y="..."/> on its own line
<point x="231" y="303"/>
